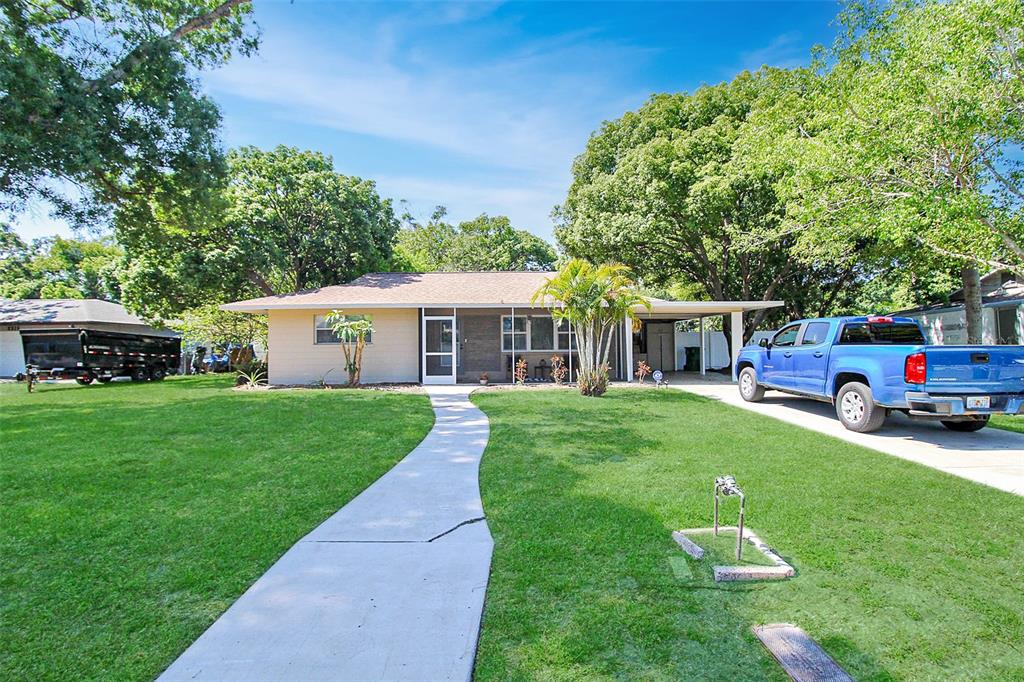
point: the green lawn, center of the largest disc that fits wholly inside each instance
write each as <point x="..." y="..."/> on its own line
<point x="1008" y="422"/>
<point x="132" y="515"/>
<point x="903" y="572"/>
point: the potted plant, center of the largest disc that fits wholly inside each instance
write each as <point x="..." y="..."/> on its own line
<point x="484" y="378"/>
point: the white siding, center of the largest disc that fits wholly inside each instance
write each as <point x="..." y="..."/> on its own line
<point x="12" y="354"/>
<point x="295" y="359"/>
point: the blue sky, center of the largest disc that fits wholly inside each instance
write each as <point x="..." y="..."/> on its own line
<point x="481" y="106"/>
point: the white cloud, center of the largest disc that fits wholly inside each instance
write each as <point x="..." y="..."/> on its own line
<point x="785" y="51"/>
<point x="517" y="112"/>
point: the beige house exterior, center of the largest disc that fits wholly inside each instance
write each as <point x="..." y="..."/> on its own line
<point x="452" y="327"/>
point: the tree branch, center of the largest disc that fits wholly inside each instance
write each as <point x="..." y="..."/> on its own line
<point x="140" y="53"/>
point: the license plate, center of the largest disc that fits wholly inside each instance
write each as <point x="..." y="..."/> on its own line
<point x="980" y="402"/>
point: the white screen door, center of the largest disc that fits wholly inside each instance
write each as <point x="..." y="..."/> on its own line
<point x="439" y="348"/>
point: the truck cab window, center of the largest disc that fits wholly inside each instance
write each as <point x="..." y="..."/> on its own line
<point x="787" y="336"/>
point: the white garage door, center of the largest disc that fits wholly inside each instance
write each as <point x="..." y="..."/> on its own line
<point x="12" y="354"/>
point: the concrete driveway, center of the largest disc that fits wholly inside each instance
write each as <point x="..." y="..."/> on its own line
<point x="990" y="456"/>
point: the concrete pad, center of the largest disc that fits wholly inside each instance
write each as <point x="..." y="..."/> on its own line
<point x="801" y="657"/>
<point x="391" y="587"/>
<point x="992" y="457"/>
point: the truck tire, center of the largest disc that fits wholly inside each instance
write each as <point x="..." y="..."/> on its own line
<point x="104" y="380"/>
<point x="973" y="425"/>
<point x="83" y="379"/>
<point x="157" y="374"/>
<point x="140" y="374"/>
<point x="856" y="408"/>
<point x="750" y="390"/>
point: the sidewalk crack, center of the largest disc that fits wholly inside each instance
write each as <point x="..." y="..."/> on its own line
<point x="457" y="526"/>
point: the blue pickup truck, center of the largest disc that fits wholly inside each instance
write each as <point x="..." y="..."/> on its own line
<point x="869" y="366"/>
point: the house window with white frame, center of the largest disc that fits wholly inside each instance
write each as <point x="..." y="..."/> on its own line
<point x="535" y="333"/>
<point x="324" y="334"/>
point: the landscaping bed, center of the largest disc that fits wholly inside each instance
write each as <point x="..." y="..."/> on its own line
<point x="901" y="571"/>
<point x="134" y="514"/>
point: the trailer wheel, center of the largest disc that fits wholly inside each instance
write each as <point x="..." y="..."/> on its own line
<point x="157" y="374"/>
<point x="84" y="379"/>
<point x="140" y="374"/>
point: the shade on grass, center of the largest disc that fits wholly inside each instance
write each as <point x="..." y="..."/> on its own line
<point x="902" y="571"/>
<point x="133" y="514"/>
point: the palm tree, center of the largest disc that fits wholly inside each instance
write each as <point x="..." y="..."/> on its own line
<point x="593" y="300"/>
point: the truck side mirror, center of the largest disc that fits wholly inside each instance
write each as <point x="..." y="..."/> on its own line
<point x="764" y="342"/>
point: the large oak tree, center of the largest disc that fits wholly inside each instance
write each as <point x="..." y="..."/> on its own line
<point x="284" y="221"/>
<point x="99" y="103"/>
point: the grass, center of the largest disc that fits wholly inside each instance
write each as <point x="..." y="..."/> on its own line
<point x="132" y="515"/>
<point x="903" y="572"/>
<point x="721" y="550"/>
<point x="1007" y="422"/>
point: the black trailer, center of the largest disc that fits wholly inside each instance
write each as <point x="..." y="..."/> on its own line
<point x="90" y="354"/>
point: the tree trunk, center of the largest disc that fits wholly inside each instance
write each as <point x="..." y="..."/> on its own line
<point x="972" y="302"/>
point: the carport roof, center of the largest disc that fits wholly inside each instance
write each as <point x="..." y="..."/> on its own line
<point x="459" y="290"/>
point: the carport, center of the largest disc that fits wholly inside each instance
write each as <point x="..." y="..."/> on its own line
<point x="662" y="316"/>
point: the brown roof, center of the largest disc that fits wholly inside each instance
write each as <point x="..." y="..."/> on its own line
<point x="405" y="289"/>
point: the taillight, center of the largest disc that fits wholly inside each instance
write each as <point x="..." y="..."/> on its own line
<point x="915" y="368"/>
<point x="880" y="319"/>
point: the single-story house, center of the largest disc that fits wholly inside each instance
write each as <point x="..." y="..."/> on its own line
<point x="60" y="313"/>
<point x="451" y="327"/>
<point x="1002" y="313"/>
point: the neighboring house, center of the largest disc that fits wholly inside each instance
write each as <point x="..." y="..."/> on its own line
<point x="1002" y="313"/>
<point x="64" y="313"/>
<point x="448" y="327"/>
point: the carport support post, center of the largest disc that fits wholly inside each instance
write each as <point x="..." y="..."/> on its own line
<point x="703" y="365"/>
<point x="737" y="338"/>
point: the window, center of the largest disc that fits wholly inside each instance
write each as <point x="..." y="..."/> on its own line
<point x="324" y="333"/>
<point x="535" y="333"/>
<point x="905" y="333"/>
<point x="815" y="334"/>
<point x="542" y="334"/>
<point x="508" y="334"/>
<point x="786" y="337"/>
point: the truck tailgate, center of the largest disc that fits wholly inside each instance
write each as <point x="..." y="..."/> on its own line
<point x="974" y="369"/>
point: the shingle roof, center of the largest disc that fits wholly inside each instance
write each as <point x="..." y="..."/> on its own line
<point x="65" y="310"/>
<point x="405" y="289"/>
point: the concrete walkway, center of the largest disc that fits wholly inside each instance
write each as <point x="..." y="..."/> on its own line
<point x="391" y="587"/>
<point x="991" y="456"/>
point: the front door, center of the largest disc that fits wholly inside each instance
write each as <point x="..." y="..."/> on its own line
<point x="439" y="350"/>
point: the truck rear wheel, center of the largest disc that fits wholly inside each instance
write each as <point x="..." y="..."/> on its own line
<point x="856" y="408"/>
<point x="749" y="388"/>
<point x="84" y="379"/>
<point x="973" y="425"/>
<point x="104" y="380"/>
<point x="140" y="374"/>
<point x="157" y="374"/>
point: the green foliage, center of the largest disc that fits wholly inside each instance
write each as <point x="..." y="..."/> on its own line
<point x="667" y="191"/>
<point x="59" y="268"/>
<point x="101" y="96"/>
<point x="595" y="300"/>
<point x="209" y="324"/>
<point x="908" y="140"/>
<point x="484" y="243"/>
<point x="284" y="221"/>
